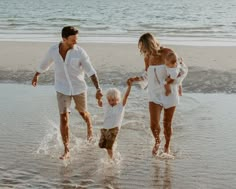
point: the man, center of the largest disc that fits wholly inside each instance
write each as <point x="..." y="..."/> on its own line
<point x="71" y="62"/>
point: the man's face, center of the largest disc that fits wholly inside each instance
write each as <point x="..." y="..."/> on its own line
<point x="71" y="40"/>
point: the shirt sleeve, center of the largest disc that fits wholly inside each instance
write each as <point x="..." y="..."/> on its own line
<point x="86" y="64"/>
<point x="144" y="82"/>
<point x="182" y="74"/>
<point x="46" y="62"/>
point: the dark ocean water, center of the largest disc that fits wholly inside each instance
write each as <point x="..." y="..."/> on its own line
<point x="183" y="21"/>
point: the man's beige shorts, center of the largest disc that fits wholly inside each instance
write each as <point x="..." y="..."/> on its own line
<point x="64" y="102"/>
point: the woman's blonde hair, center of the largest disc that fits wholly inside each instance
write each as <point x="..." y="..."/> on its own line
<point x="147" y="42"/>
<point x="113" y="93"/>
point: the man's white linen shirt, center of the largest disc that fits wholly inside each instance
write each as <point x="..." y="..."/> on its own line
<point x="69" y="74"/>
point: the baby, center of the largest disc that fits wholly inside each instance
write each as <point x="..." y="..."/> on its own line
<point x="113" y="115"/>
<point x="173" y="68"/>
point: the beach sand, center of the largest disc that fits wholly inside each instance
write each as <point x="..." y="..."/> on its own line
<point x="212" y="69"/>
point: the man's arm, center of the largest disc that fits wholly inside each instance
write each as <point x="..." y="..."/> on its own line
<point x="44" y="66"/>
<point x="95" y="81"/>
<point x="35" y="79"/>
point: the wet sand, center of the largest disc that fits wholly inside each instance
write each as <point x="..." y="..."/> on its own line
<point x="211" y="69"/>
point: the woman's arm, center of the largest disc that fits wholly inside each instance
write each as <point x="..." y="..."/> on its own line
<point x="144" y="75"/>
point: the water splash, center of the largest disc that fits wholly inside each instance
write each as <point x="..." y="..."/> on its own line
<point x="51" y="143"/>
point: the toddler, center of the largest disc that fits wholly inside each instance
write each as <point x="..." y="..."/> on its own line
<point x="113" y="115"/>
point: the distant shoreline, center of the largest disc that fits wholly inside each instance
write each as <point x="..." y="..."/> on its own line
<point x="122" y="39"/>
<point x="211" y="69"/>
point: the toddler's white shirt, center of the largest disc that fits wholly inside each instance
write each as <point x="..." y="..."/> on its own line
<point x="113" y="116"/>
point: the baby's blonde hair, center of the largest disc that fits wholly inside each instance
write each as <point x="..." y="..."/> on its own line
<point x="113" y="93"/>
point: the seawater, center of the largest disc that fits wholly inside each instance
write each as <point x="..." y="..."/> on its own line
<point x="203" y="143"/>
<point x="180" y="22"/>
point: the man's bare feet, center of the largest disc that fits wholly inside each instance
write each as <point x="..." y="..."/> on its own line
<point x="155" y="149"/>
<point x="66" y="155"/>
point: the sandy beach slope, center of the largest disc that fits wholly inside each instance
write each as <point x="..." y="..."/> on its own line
<point x="211" y="69"/>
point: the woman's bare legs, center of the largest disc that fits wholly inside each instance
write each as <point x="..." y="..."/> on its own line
<point x="167" y="122"/>
<point x="155" y="115"/>
<point x="64" y="125"/>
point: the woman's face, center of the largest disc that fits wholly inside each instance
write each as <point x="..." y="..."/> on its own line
<point x="142" y="48"/>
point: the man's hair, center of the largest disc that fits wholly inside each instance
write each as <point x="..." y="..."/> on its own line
<point x="68" y="30"/>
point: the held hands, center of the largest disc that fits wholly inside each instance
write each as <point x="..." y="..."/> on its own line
<point x="99" y="97"/>
<point x="99" y="94"/>
<point x="131" y="80"/>
<point x="100" y="103"/>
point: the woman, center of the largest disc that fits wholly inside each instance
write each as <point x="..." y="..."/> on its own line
<point x="156" y="74"/>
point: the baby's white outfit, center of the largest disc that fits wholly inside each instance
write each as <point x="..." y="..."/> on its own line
<point x="156" y="75"/>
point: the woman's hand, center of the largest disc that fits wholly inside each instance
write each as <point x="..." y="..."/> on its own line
<point x="133" y="79"/>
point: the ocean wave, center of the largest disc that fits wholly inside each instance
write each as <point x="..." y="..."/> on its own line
<point x="198" y="80"/>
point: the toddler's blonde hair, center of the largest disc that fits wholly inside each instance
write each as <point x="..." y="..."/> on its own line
<point x="113" y="93"/>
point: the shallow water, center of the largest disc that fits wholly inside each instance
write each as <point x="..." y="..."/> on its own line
<point x="203" y="144"/>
